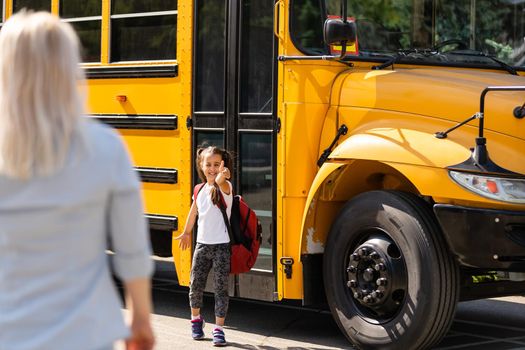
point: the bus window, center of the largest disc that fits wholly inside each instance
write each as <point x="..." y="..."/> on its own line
<point x="36" y="5"/>
<point x="441" y="32"/>
<point x="306" y="25"/>
<point x="205" y="139"/>
<point x="143" y="31"/>
<point x="256" y="59"/>
<point x="256" y="184"/>
<point x="209" y="138"/>
<point x="209" y="57"/>
<point x="86" y="17"/>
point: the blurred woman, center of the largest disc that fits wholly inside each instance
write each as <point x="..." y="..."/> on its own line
<point x="67" y="188"/>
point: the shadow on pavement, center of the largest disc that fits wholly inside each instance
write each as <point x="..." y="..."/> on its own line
<point x="481" y="324"/>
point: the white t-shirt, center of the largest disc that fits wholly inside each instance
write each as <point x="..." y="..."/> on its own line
<point x="211" y="227"/>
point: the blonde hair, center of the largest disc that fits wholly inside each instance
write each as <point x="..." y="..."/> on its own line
<point x="40" y="101"/>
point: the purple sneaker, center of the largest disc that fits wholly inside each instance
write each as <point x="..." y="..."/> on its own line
<point x="197" y="326"/>
<point x="218" y="337"/>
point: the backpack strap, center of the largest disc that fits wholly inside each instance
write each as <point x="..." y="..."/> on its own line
<point x="197" y="189"/>
<point x="222" y="207"/>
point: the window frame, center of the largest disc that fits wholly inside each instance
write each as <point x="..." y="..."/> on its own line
<point x="88" y="19"/>
<point x="140" y="15"/>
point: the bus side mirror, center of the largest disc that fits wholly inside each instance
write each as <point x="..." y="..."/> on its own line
<point x="336" y="31"/>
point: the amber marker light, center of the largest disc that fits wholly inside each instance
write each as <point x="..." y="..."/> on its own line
<point x="122" y="98"/>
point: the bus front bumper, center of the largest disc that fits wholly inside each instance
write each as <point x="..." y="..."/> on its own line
<point x="484" y="238"/>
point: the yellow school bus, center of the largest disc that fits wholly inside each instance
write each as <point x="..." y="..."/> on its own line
<point x="380" y="142"/>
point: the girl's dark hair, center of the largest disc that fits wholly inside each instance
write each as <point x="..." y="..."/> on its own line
<point x="228" y="162"/>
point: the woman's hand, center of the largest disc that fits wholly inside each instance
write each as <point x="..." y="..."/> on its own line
<point x="138" y="301"/>
<point x="185" y="240"/>
<point x="142" y="337"/>
<point x="223" y="175"/>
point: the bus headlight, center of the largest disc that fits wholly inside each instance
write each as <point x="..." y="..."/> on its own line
<point x="498" y="188"/>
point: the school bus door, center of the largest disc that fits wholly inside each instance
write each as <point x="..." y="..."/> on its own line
<point x="233" y="107"/>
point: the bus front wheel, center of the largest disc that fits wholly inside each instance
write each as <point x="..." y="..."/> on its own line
<point x="390" y="280"/>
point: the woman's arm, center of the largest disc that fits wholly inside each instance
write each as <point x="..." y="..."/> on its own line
<point x="129" y="236"/>
<point x="138" y="301"/>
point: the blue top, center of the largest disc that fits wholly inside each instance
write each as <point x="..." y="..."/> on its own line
<point x="56" y="289"/>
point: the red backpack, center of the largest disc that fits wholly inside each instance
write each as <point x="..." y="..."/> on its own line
<point x="244" y="230"/>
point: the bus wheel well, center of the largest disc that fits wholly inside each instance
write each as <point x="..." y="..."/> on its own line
<point x="365" y="175"/>
<point x="339" y="187"/>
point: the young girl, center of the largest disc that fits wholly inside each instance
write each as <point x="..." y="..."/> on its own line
<point x="213" y="241"/>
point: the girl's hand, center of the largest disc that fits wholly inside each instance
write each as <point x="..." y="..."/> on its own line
<point x="185" y="240"/>
<point x="223" y="175"/>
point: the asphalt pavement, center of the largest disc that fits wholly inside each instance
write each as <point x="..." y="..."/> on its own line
<point x="478" y="325"/>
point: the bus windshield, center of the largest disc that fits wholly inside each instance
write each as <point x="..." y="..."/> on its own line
<point x="447" y="32"/>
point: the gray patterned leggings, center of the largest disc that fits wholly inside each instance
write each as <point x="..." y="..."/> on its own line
<point x="204" y="257"/>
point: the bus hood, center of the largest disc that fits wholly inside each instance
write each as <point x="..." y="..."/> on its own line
<point x="447" y="94"/>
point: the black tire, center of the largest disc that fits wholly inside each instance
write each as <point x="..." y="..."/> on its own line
<point x="390" y="280"/>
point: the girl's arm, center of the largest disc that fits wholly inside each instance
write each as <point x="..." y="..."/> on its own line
<point x="224" y="174"/>
<point x="185" y="236"/>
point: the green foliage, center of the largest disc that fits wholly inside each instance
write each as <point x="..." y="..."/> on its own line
<point x="494" y="27"/>
<point x="138" y="6"/>
<point x="80" y="8"/>
<point x="36" y="5"/>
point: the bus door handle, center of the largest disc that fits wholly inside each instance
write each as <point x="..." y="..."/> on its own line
<point x="287" y="262"/>
<point x="276" y="9"/>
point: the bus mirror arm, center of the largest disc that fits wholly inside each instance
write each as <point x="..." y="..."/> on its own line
<point x="444" y="134"/>
<point x="479" y="159"/>
<point x="343" y="129"/>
